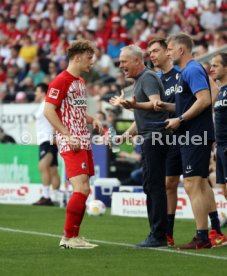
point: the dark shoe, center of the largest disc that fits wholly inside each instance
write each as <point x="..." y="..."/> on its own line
<point x="44" y="202"/>
<point x="150" y="241"/>
<point x="196" y="244"/>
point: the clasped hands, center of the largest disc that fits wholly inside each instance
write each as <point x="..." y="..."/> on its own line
<point x="173" y="123"/>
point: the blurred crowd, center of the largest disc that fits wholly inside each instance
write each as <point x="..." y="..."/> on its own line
<point x="35" y="34"/>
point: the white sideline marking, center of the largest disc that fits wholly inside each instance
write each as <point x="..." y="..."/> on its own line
<point x="117" y="243"/>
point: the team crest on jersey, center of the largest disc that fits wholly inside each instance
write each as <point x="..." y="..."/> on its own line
<point x="177" y="76"/>
<point x="224" y="93"/>
<point x="54" y="93"/>
<point x="83" y="166"/>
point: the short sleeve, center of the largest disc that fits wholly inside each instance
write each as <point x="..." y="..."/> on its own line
<point x="56" y="92"/>
<point x="196" y="79"/>
<point x="151" y="85"/>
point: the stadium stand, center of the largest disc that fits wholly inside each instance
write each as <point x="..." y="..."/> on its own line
<point x="46" y="27"/>
<point x="34" y="36"/>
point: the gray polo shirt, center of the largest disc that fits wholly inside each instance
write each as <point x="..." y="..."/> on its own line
<point x="147" y="84"/>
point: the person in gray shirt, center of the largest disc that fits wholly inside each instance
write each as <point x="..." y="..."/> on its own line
<point x="148" y="125"/>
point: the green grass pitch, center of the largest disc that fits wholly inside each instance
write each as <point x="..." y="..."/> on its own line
<point x="28" y="253"/>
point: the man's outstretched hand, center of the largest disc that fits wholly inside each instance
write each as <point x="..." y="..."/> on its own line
<point x="129" y="104"/>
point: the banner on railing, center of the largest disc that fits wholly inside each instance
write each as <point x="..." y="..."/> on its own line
<point x="18" y="121"/>
<point x="134" y="204"/>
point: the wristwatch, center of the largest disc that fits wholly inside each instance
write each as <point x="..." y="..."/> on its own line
<point x="181" y="119"/>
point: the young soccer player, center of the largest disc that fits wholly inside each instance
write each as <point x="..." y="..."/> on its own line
<point x="66" y="110"/>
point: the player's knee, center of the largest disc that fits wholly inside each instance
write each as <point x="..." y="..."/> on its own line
<point x="168" y="186"/>
<point x="171" y="184"/>
<point x="189" y="186"/>
<point x="84" y="188"/>
<point x="54" y="171"/>
<point x="170" y="189"/>
<point x="42" y="167"/>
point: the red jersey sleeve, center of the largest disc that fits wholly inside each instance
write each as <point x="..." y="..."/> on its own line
<point x="56" y="91"/>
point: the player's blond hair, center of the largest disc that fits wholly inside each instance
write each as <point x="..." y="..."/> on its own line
<point x="182" y="38"/>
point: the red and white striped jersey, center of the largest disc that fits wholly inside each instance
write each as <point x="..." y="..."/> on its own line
<point x="68" y="93"/>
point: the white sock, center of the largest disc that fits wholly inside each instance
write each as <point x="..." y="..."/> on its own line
<point x="55" y="195"/>
<point x="46" y="191"/>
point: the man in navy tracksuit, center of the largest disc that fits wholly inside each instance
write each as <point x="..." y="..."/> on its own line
<point x="169" y="75"/>
<point x="219" y="72"/>
<point x="193" y="120"/>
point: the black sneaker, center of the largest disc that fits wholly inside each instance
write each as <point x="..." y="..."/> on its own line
<point x="44" y="202"/>
<point x="150" y="241"/>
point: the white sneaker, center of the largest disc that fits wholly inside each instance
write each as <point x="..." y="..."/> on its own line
<point x="77" y="242"/>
